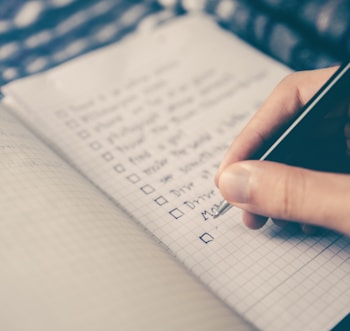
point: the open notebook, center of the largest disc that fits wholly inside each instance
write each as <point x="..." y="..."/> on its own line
<point x="110" y="225"/>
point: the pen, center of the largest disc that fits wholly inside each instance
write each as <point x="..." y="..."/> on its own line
<point x="288" y="145"/>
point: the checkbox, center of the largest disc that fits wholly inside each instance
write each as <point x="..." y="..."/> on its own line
<point x="119" y="168"/>
<point x="161" y="201"/>
<point x="206" y="237"/>
<point x="176" y="213"/>
<point x="95" y="145"/>
<point x="107" y="156"/>
<point x="147" y="189"/>
<point x="83" y="134"/>
<point x="133" y="178"/>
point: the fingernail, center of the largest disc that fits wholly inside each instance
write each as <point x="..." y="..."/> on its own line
<point x="234" y="184"/>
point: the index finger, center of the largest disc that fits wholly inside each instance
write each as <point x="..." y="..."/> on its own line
<point x="285" y="100"/>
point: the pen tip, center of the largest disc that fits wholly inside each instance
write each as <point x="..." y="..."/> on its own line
<point x="223" y="208"/>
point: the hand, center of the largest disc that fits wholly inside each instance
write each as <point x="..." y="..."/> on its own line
<point x="285" y="193"/>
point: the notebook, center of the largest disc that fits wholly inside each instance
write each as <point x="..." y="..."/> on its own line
<point x="108" y="196"/>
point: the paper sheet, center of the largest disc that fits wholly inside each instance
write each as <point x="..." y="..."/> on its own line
<point x="148" y="121"/>
<point x="71" y="261"/>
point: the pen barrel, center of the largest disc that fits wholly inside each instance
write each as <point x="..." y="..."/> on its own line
<point x="303" y="141"/>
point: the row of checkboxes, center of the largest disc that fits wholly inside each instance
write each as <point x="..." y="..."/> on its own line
<point x="133" y="178"/>
<point x="148" y="189"/>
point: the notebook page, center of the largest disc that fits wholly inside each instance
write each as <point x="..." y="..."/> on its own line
<point x="148" y="121"/>
<point x="71" y="261"/>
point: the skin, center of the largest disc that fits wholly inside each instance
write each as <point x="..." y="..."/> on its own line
<point x="262" y="189"/>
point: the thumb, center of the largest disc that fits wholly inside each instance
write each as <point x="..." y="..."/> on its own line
<point x="289" y="193"/>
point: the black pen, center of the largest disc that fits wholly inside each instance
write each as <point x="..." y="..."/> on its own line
<point x="284" y="147"/>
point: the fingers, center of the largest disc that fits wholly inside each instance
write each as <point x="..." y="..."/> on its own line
<point x="286" y="99"/>
<point x="287" y="193"/>
<point x="306" y="228"/>
<point x="282" y="192"/>
<point x="253" y="221"/>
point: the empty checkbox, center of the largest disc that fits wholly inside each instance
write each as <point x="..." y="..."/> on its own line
<point x="95" y="145"/>
<point x="119" y="168"/>
<point x="107" y="156"/>
<point x="161" y="201"/>
<point x="147" y="189"/>
<point x="133" y="178"/>
<point x="176" y="213"/>
<point x="206" y="237"/>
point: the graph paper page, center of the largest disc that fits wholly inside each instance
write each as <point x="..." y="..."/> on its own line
<point x="148" y="121"/>
<point x="71" y="261"/>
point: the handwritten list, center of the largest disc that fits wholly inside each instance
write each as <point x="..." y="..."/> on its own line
<point x="148" y="121"/>
<point x="158" y="134"/>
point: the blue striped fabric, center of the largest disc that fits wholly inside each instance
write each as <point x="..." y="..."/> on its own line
<point x="38" y="34"/>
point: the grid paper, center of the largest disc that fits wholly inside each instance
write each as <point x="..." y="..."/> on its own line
<point x="71" y="261"/>
<point x="268" y="276"/>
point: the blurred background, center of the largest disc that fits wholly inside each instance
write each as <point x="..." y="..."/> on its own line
<point x="38" y="34"/>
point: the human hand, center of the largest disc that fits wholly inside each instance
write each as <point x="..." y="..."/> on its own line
<point x="285" y="193"/>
